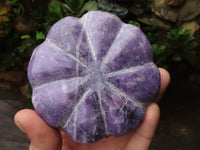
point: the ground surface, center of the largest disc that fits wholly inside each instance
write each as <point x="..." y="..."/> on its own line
<point x="179" y="127"/>
<point x="11" y="138"/>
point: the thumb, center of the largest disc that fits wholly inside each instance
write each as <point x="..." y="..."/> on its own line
<point x="41" y="136"/>
<point x="143" y="134"/>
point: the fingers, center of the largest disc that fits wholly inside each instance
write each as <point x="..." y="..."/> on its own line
<point x="165" y="80"/>
<point x="142" y="135"/>
<point x="42" y="136"/>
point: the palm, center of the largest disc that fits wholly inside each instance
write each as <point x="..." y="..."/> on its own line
<point x="111" y="143"/>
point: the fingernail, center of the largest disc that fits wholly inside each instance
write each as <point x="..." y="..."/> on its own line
<point x="19" y="125"/>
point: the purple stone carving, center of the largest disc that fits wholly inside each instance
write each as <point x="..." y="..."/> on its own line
<point x="93" y="76"/>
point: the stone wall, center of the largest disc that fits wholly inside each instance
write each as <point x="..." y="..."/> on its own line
<point x="178" y="12"/>
<point x="164" y="13"/>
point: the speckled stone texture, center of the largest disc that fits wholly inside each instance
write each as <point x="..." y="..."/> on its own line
<point x="93" y="76"/>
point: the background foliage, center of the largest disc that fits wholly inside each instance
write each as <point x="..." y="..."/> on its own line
<point x="24" y="25"/>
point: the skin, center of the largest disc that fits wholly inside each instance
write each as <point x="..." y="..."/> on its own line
<point x="44" y="137"/>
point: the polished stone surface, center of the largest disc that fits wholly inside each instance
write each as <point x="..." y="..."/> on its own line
<point x="83" y="66"/>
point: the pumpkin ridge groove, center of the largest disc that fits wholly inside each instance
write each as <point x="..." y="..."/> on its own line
<point x="77" y="53"/>
<point x="116" y="37"/>
<point x="66" y="54"/>
<point x="102" y="112"/>
<point x="134" y="100"/>
<point x="91" y="47"/>
<point x="75" y="120"/>
<point x="76" y="106"/>
<point x="53" y="82"/>
<point x="127" y="70"/>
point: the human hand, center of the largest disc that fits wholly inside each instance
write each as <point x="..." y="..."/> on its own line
<point x="44" y="137"/>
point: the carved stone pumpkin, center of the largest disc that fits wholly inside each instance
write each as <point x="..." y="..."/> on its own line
<point x="93" y="76"/>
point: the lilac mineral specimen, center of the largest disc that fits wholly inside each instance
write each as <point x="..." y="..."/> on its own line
<point x="93" y="76"/>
